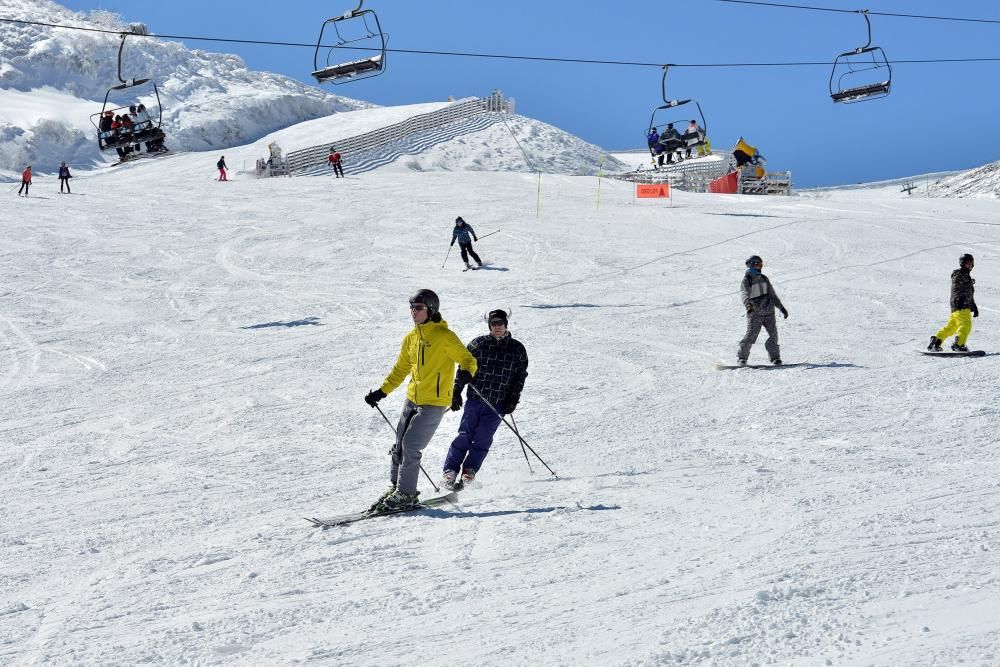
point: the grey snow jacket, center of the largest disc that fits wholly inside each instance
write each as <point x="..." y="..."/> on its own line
<point x="759" y="295"/>
<point x="962" y="290"/>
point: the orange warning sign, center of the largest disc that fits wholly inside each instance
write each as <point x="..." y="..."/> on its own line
<point x="657" y="190"/>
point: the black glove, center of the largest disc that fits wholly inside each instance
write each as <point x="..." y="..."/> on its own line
<point x="452" y="242"/>
<point x="373" y="397"/>
<point x="463" y="378"/>
<point x="784" y="313"/>
<point x="975" y="312"/>
<point x="507" y="407"/>
<point x="456" y="402"/>
<point x="749" y="309"/>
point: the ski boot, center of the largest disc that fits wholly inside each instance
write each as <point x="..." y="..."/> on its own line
<point x="398" y="501"/>
<point x="935" y="344"/>
<point x="448" y="479"/>
<point x="741" y="362"/>
<point x="385" y="494"/>
<point x="955" y="347"/>
<point x="776" y="362"/>
<point x="468" y="476"/>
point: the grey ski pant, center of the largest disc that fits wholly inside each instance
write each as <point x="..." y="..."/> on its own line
<point x="415" y="429"/>
<point x="754" y="324"/>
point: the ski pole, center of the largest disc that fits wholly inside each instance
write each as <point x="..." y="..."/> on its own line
<point x="436" y="489"/>
<point x="446" y="256"/>
<point x="523" y="441"/>
<point x="483" y="237"/>
<point x="523" y="450"/>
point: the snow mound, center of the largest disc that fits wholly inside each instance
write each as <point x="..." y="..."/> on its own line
<point x="52" y="80"/>
<point x="518" y="144"/>
<point x="980" y="183"/>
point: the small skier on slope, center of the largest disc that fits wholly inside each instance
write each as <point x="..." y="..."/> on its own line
<point x="461" y="233"/>
<point x="25" y="181"/>
<point x="502" y="369"/>
<point x="760" y="301"/>
<point x="335" y="162"/>
<point x="64" y="177"/>
<point x="963" y="307"/>
<point x="428" y="355"/>
<point x="221" y="166"/>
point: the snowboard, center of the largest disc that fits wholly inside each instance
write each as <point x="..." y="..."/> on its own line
<point x="949" y="353"/>
<point x="346" y="519"/>
<point x="726" y="367"/>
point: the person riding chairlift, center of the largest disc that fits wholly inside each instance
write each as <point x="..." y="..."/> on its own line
<point x="105" y="126"/>
<point x="670" y="139"/>
<point x="693" y="136"/>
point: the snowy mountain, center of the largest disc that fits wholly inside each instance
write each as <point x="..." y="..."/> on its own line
<point x="52" y="80"/>
<point x="980" y="183"/>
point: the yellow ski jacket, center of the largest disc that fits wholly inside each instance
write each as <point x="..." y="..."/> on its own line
<point x="429" y="354"/>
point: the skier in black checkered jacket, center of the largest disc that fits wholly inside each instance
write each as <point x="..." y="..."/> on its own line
<point x="502" y="370"/>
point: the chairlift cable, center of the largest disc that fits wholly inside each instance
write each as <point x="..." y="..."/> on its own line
<point x="499" y="56"/>
<point x="925" y="17"/>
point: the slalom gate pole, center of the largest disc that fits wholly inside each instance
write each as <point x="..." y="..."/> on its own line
<point x="538" y="197"/>
<point x="523" y="450"/>
<point x="523" y="441"/>
<point x="446" y="256"/>
<point x="436" y="489"/>
<point x="483" y="237"/>
<point x="600" y="174"/>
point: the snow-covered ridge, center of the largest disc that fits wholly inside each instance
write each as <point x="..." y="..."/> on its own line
<point x="51" y="80"/>
<point x="980" y="183"/>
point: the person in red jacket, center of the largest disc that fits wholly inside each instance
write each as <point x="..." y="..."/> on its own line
<point x="334" y="160"/>
<point x="25" y="181"/>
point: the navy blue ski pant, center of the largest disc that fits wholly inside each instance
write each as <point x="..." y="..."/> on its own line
<point x="475" y="435"/>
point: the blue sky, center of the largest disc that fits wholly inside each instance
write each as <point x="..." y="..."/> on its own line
<point x="938" y="117"/>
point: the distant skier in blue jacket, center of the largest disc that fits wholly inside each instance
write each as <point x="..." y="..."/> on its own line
<point x="461" y="233"/>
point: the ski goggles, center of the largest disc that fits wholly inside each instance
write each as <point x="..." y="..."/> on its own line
<point x="417" y="307"/>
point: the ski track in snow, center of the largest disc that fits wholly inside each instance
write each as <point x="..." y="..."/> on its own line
<point x="183" y="367"/>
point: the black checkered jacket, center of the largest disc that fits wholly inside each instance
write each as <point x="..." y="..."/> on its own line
<point x="503" y="368"/>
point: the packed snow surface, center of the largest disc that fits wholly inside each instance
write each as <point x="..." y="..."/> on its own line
<point x="183" y="369"/>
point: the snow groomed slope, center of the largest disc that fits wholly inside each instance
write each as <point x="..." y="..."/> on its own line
<point x="183" y="378"/>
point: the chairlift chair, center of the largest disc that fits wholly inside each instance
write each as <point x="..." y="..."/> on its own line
<point x="151" y="134"/>
<point x="668" y="104"/>
<point x="359" y="68"/>
<point x="851" y="78"/>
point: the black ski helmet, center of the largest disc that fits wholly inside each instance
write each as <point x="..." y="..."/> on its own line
<point x="459" y="220"/>
<point x="429" y="299"/>
<point x="753" y="259"/>
<point x="965" y="258"/>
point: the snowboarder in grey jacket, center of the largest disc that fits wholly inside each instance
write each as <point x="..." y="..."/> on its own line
<point x="760" y="301"/>
<point x="461" y="233"/>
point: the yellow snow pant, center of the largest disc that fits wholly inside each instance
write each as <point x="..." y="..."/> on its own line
<point x="960" y="323"/>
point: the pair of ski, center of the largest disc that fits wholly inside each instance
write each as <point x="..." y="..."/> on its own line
<point x="346" y="519"/>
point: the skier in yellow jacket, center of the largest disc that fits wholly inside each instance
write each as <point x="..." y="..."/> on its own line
<point x="428" y="355"/>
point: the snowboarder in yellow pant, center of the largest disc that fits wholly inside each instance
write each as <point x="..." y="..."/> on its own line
<point x="963" y="307"/>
